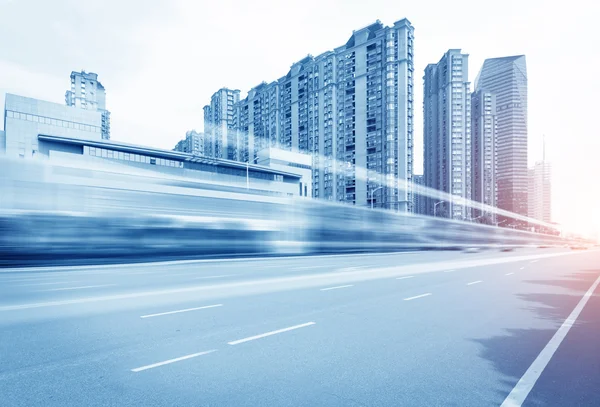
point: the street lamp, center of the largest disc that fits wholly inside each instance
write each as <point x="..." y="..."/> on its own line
<point x="501" y="222"/>
<point x="435" y="207"/>
<point x="373" y="192"/>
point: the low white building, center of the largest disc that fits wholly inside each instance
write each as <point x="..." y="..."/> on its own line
<point x="289" y="161"/>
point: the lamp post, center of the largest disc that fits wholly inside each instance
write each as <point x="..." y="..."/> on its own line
<point x="373" y="192"/>
<point x="435" y="208"/>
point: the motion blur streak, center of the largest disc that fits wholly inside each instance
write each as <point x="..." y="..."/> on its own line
<point x="52" y="214"/>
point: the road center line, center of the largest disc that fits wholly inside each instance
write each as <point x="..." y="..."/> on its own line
<point x="509" y="274"/>
<point x="251" y="338"/>
<point x="474" y="282"/>
<point x="79" y="288"/>
<point x="522" y="389"/>
<point x="209" y="277"/>
<point x="417" y="296"/>
<point x="405" y="277"/>
<point x="337" y="287"/>
<point x="166" y="362"/>
<point x="181" y="310"/>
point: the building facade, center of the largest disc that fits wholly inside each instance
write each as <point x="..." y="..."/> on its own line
<point x="193" y="143"/>
<point x="447" y="133"/>
<point x="221" y="139"/>
<point x="483" y="152"/>
<point x="540" y="192"/>
<point x="419" y="200"/>
<point x="351" y="109"/>
<point x="507" y="79"/>
<point x="26" y="118"/>
<point x="184" y="169"/>
<point x="88" y="93"/>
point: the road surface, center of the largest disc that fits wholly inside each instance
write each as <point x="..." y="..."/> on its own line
<point x="406" y="329"/>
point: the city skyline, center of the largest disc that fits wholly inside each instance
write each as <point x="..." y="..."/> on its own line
<point x="131" y="112"/>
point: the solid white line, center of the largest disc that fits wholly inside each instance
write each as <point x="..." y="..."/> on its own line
<point x="166" y="362"/>
<point x="78" y="288"/>
<point x="405" y="277"/>
<point x="474" y="282"/>
<point x="209" y="277"/>
<point x="181" y="310"/>
<point x="417" y="296"/>
<point x="337" y="287"/>
<point x="520" y="392"/>
<point x="509" y="274"/>
<point x="251" y="338"/>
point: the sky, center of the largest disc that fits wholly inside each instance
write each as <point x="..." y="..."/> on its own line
<point x="161" y="60"/>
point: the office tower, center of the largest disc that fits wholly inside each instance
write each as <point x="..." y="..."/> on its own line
<point x="507" y="79"/>
<point x="88" y="93"/>
<point x="483" y="153"/>
<point x="447" y="132"/>
<point x="193" y="143"/>
<point x="220" y="137"/>
<point x="351" y="109"/>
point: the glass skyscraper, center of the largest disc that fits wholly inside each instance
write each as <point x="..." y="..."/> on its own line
<point x="506" y="78"/>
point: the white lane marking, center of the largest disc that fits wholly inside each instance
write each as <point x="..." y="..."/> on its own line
<point x="60" y="282"/>
<point x="474" y="282"/>
<point x="449" y="271"/>
<point x="404" y="278"/>
<point x="166" y="362"/>
<point x="180" y="311"/>
<point x="337" y="287"/>
<point x="417" y="296"/>
<point x="509" y="274"/>
<point x="83" y="287"/>
<point x="251" y="338"/>
<point x="520" y="392"/>
<point x="209" y="277"/>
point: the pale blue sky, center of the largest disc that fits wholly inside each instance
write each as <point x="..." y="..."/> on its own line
<point x="160" y="60"/>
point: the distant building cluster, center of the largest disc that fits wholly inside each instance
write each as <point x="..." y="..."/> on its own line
<point x="349" y="109"/>
<point x="342" y="121"/>
<point x="475" y="142"/>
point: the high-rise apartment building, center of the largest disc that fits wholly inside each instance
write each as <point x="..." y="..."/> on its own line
<point x="483" y="152"/>
<point x="540" y="192"/>
<point x="193" y="143"/>
<point x="351" y="109"/>
<point x="447" y="132"/>
<point x="221" y="139"/>
<point x="419" y="200"/>
<point x="257" y="115"/>
<point x="507" y="79"/>
<point x="88" y="93"/>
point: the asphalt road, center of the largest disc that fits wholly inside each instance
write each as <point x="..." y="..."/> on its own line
<point x="406" y="329"/>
